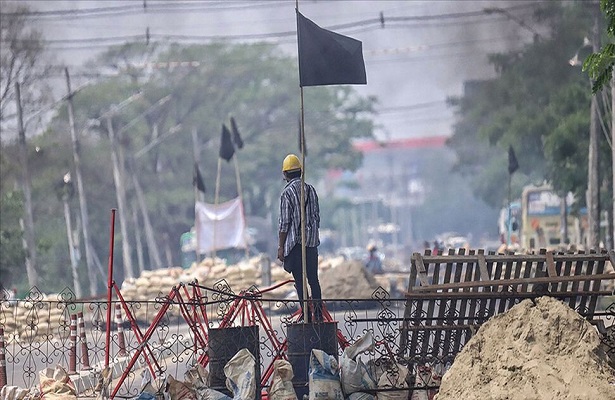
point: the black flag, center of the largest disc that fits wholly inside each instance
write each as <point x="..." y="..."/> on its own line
<point x="197" y="179"/>
<point x="328" y="58"/>
<point x="513" y="165"/>
<point x="226" y="145"/>
<point x="236" y="137"/>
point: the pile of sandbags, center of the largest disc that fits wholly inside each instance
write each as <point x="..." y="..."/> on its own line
<point x="27" y="320"/>
<point x="339" y="279"/>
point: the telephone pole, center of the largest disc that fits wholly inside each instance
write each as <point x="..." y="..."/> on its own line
<point x="593" y="179"/>
<point x="83" y="205"/>
<point x="29" y="242"/>
<point x="121" y="201"/>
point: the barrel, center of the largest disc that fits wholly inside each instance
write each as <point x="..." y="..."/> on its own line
<point x="224" y="343"/>
<point x="302" y="339"/>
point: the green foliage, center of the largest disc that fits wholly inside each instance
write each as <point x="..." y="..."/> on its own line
<point x="12" y="254"/>
<point x="537" y="104"/>
<point x="599" y="65"/>
<point x="256" y="84"/>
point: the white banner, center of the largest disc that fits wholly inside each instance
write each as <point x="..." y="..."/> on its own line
<point x="225" y="222"/>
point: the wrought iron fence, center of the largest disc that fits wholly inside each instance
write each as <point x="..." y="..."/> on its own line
<point x="168" y="335"/>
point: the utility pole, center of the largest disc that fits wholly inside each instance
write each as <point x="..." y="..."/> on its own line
<point x="152" y="248"/>
<point x="593" y="179"/>
<point x="121" y="201"/>
<point x="613" y="159"/>
<point x="29" y="242"/>
<point x="83" y="205"/>
<point x="138" y="242"/>
<point x="65" y="192"/>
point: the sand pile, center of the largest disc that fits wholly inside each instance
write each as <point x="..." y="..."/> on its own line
<point x="347" y="280"/>
<point x="542" y="351"/>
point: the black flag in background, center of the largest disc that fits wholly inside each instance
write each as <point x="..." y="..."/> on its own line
<point x="513" y="165"/>
<point x="197" y="179"/>
<point x="328" y="58"/>
<point x="226" y="145"/>
<point x="236" y="137"/>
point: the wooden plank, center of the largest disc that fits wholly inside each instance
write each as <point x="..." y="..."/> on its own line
<point x="438" y="336"/>
<point x="462" y="304"/>
<point x="558" y="267"/>
<point x="413" y="272"/>
<point x="527" y="271"/>
<point x="551" y="264"/>
<point x="507" y="282"/>
<point x="578" y="270"/>
<point x="506" y="273"/>
<point x="493" y="258"/>
<point x="494" y="268"/>
<point x="564" y="286"/>
<point x="454" y="308"/>
<point x="496" y="295"/>
<point x="595" y="287"/>
<point x="472" y="274"/>
<point x="422" y="272"/>
<point x="483" y="303"/>
<point x="403" y="338"/>
<point x="482" y="266"/>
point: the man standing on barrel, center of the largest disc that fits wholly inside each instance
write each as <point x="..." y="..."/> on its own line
<point x="289" y="243"/>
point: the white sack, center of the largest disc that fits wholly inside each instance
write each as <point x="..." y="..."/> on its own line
<point x="240" y="375"/>
<point x="281" y="381"/>
<point x="355" y="376"/>
<point x="324" y="377"/>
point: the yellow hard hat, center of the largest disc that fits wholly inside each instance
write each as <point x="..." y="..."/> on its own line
<point x="291" y="163"/>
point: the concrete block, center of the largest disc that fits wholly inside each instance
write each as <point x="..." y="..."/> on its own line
<point x="85" y="380"/>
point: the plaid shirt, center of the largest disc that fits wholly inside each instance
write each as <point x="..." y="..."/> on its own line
<point x="290" y="215"/>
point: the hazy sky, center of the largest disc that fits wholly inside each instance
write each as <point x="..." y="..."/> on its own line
<point x="424" y="53"/>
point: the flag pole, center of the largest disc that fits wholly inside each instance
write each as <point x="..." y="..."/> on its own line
<point x="303" y="250"/>
<point x="303" y="238"/>
<point x="195" y="155"/>
<point x="508" y="228"/>
<point x="240" y="194"/>
<point x="216" y="206"/>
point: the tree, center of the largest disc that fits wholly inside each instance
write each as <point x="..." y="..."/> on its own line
<point x="600" y="65"/>
<point x="256" y="84"/>
<point x="536" y="104"/>
<point x="21" y="92"/>
<point x="22" y="61"/>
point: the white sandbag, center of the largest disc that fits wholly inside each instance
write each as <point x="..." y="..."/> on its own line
<point x="197" y="377"/>
<point x="361" y="396"/>
<point x="56" y="384"/>
<point x="324" y="377"/>
<point x="355" y="376"/>
<point x="394" y="376"/>
<point x="281" y="381"/>
<point x="179" y="390"/>
<point x="211" y="394"/>
<point x="240" y="375"/>
<point x="423" y="378"/>
<point x="14" y="393"/>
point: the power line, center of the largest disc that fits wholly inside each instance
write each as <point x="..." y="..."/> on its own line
<point x="368" y="24"/>
<point x="142" y="8"/>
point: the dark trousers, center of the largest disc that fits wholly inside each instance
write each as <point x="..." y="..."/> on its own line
<point x="292" y="263"/>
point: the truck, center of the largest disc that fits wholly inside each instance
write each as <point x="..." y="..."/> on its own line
<point x="537" y="220"/>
